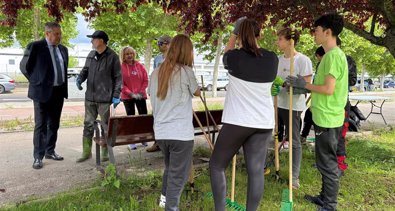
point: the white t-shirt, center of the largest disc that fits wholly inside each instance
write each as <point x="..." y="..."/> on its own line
<point x="173" y="115"/>
<point x="248" y="101"/>
<point x="303" y="67"/>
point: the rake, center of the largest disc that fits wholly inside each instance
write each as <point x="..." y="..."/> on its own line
<point x="287" y="202"/>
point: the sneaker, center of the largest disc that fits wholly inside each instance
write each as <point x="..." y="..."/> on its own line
<point x="286" y="145"/>
<point x="295" y="183"/>
<point x="154" y="148"/>
<point x="317" y="200"/>
<point x="132" y="147"/>
<point x="162" y="201"/>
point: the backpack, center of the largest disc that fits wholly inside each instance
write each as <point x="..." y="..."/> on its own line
<point x="352" y="71"/>
<point x="357" y="112"/>
<point x="354" y="122"/>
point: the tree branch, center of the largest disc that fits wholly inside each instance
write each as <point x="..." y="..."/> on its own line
<point x="389" y="12"/>
<point x="373" y="24"/>
<point x="310" y="8"/>
<point x="360" y="32"/>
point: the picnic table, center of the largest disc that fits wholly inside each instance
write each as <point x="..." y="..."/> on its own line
<point x="376" y="102"/>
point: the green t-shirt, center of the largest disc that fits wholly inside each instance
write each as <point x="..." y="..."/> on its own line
<point x="328" y="110"/>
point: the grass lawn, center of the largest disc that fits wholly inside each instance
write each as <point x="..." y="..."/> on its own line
<point x="369" y="184"/>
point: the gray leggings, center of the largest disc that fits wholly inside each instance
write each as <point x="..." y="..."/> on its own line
<point x="255" y="143"/>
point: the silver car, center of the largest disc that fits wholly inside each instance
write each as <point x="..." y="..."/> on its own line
<point x="6" y="83"/>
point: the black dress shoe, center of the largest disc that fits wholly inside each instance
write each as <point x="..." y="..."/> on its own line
<point x="53" y="156"/>
<point x="38" y="163"/>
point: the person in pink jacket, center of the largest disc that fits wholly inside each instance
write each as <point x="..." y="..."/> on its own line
<point x="134" y="85"/>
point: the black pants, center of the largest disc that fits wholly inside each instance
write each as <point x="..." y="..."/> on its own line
<point x="326" y="159"/>
<point x="140" y="104"/>
<point x="307" y="123"/>
<point x="46" y="124"/>
<point x="254" y="142"/>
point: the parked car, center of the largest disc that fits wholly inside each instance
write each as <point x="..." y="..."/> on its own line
<point x="389" y="84"/>
<point x="222" y="82"/>
<point x="368" y="85"/>
<point x="72" y="73"/>
<point x="6" y="83"/>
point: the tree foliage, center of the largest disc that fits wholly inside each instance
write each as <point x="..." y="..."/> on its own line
<point x="133" y="29"/>
<point x="26" y="26"/>
<point x="206" y="16"/>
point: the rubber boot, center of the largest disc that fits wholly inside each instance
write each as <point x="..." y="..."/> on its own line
<point x="104" y="154"/>
<point x="86" y="149"/>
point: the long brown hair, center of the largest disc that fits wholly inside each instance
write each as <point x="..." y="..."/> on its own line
<point x="180" y="52"/>
<point x="249" y="31"/>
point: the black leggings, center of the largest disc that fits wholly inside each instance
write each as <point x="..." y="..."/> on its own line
<point x="255" y="143"/>
<point x="140" y="104"/>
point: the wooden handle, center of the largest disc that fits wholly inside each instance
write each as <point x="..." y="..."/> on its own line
<point x="204" y="132"/>
<point x="291" y="72"/>
<point x="232" y="193"/>
<point x="276" y="149"/>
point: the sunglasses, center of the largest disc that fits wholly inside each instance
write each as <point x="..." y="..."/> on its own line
<point x="162" y="43"/>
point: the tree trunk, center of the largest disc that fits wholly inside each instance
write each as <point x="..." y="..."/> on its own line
<point x="216" y="65"/>
<point x="148" y="56"/>
<point x="36" y="26"/>
<point x="362" y="83"/>
<point x="382" y="82"/>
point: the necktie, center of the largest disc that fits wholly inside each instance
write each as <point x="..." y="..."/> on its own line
<point x="59" y="78"/>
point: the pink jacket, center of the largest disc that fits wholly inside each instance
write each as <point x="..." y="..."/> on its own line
<point x="135" y="80"/>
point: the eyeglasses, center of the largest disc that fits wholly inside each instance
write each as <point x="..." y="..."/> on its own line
<point x="162" y="43"/>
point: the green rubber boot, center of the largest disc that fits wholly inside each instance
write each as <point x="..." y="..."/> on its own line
<point x="104" y="154"/>
<point x="86" y="149"/>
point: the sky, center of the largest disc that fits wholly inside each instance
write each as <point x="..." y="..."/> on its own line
<point x="83" y="30"/>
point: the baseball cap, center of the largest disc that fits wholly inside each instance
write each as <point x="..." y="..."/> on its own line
<point x="100" y="35"/>
<point x="164" y="39"/>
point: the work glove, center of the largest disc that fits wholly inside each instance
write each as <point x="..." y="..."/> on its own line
<point x="115" y="101"/>
<point x="78" y="83"/>
<point x="236" y="28"/>
<point x="275" y="89"/>
<point x="298" y="91"/>
<point x="135" y="96"/>
<point x="297" y="82"/>
<point x="141" y="96"/>
<point x="278" y="81"/>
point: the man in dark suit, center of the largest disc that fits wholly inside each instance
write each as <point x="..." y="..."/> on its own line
<point x="44" y="64"/>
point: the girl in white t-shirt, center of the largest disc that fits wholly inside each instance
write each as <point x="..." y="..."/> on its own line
<point x="248" y="116"/>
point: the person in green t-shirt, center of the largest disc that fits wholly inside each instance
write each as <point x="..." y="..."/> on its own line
<point x="328" y="97"/>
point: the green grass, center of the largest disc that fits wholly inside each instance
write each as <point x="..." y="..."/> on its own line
<point x="368" y="185"/>
<point x="27" y="124"/>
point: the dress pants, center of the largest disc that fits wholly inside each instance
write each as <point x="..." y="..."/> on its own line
<point x="46" y="120"/>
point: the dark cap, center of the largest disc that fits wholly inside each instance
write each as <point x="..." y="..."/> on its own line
<point x="100" y="35"/>
<point x="164" y="38"/>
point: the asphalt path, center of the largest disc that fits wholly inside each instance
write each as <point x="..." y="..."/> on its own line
<point x="20" y="93"/>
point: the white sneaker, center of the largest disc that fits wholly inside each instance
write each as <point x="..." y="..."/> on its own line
<point x="162" y="201"/>
<point x="286" y="145"/>
<point x="295" y="183"/>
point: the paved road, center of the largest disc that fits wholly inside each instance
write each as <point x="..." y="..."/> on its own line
<point x="20" y="93"/>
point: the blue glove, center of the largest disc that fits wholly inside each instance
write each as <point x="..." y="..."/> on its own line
<point x="116" y="101"/>
<point x="297" y="82"/>
<point x="78" y="83"/>
<point x="236" y="28"/>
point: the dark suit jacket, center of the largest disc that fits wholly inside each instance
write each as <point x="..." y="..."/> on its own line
<point x="37" y="67"/>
